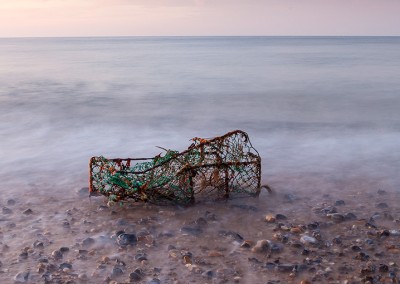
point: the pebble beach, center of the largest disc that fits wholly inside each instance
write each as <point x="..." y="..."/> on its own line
<point x="336" y="231"/>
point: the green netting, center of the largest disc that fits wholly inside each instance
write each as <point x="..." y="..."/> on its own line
<point x="221" y="166"/>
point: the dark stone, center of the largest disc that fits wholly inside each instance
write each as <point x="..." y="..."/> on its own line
<point x="27" y="211"/>
<point x="339" y="203"/>
<point x="7" y="210"/>
<point x="88" y="241"/>
<point x="337" y="240"/>
<point x="43" y="260"/>
<point x="208" y="274"/>
<point x="192" y="230"/>
<point x="369" y="241"/>
<point x="350" y="216"/>
<point x="329" y="210"/>
<point x="22" y="277"/>
<point x="337" y="217"/>
<point x="38" y="244"/>
<point x="313" y="226"/>
<point x="276" y="248"/>
<point x="136" y="275"/>
<point x="11" y="202"/>
<point x="355" y="248"/>
<point x="121" y="222"/>
<point x="154" y="281"/>
<point x="384" y="233"/>
<point x="362" y="256"/>
<point x="230" y="234"/>
<point x="305" y="252"/>
<point x="383" y="268"/>
<point x="140" y="256"/>
<point x="126" y="239"/>
<point x="201" y="221"/>
<point x="382" y="205"/>
<point x="65" y="265"/>
<point x="285" y="267"/>
<point x="23" y="255"/>
<point x="280" y="217"/>
<point x="117" y="270"/>
<point x="64" y="249"/>
<point x="57" y="254"/>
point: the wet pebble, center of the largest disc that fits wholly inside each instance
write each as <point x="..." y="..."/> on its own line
<point x="337" y="217"/>
<point x="38" y="244"/>
<point x="269" y="218"/>
<point x="64" y="249"/>
<point x="140" y="256"/>
<point x="305" y="239"/>
<point x="261" y="246"/>
<point x="27" y="211"/>
<point x="231" y="235"/>
<point x="339" y="202"/>
<point x="154" y="281"/>
<point x="22" y="277"/>
<point x="350" y="216"/>
<point x="88" y="241"/>
<point x="280" y="217"/>
<point x="117" y="270"/>
<point x="11" y="202"/>
<point x="192" y="230"/>
<point x="136" y="275"/>
<point x="57" y="254"/>
<point x="65" y="265"/>
<point x="382" y="205"/>
<point x="7" y="210"/>
<point x="125" y="239"/>
<point x="246" y="244"/>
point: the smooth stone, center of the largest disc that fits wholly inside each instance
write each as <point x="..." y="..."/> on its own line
<point x="232" y="235"/>
<point x="38" y="244"/>
<point x="65" y="265"/>
<point x="339" y="203"/>
<point x="136" y="275"/>
<point x="21" y="277"/>
<point x="88" y="241"/>
<point x="208" y="274"/>
<point x="305" y="239"/>
<point x="154" y="281"/>
<point x="125" y="239"/>
<point x="280" y="217"/>
<point x="140" y="256"/>
<point x="27" y="211"/>
<point x="7" y="210"/>
<point x="57" y="254"/>
<point x="337" y="217"/>
<point x="261" y="246"/>
<point x="116" y="271"/>
<point x="269" y="218"/>
<point x="11" y="202"/>
<point x="83" y="276"/>
<point x="64" y="249"/>
<point x="350" y="216"/>
<point x="382" y="205"/>
<point x="192" y="230"/>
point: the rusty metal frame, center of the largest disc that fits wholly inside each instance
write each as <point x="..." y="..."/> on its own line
<point x="221" y="167"/>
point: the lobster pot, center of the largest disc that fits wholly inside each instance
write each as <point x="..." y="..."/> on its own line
<point x="221" y="167"/>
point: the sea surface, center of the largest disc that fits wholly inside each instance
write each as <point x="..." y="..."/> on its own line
<point x="311" y="105"/>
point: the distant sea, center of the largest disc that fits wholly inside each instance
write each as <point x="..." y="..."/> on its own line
<point x="311" y="105"/>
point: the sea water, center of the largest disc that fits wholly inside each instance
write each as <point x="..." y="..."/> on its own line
<point x="311" y="105"/>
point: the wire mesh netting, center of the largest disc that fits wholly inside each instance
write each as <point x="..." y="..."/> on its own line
<point x="221" y="167"/>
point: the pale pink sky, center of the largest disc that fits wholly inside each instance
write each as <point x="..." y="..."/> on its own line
<point x="198" y="17"/>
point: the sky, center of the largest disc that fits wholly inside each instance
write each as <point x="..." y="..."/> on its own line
<point x="42" y="18"/>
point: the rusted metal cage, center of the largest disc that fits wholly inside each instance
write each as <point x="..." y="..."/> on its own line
<point x="220" y="167"/>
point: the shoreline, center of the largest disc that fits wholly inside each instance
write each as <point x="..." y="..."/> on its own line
<point x="312" y="229"/>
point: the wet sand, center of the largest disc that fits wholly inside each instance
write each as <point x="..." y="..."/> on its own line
<point x="312" y="229"/>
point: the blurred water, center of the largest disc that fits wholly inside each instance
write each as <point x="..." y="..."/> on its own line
<point x="326" y="105"/>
